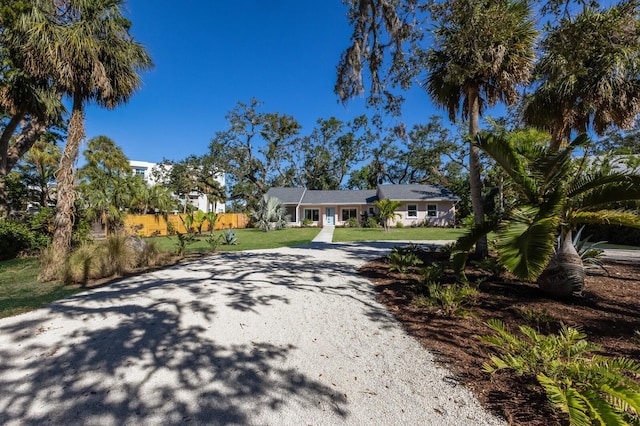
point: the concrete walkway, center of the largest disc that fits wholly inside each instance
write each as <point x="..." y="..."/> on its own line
<point x="290" y="336"/>
<point x="325" y="235"/>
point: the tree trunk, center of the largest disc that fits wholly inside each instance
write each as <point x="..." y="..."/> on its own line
<point x="5" y="166"/>
<point x="557" y="135"/>
<point x="66" y="195"/>
<point x="10" y="155"/>
<point x="473" y="97"/>
<point x="564" y="275"/>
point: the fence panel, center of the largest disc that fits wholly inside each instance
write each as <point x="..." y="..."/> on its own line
<point x="148" y="225"/>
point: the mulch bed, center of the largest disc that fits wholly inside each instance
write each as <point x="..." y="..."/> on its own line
<point x="607" y="312"/>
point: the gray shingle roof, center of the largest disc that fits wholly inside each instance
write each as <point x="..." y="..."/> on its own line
<point x="286" y="195"/>
<point x="347" y="197"/>
<point x="339" y="197"/>
<point x="416" y="192"/>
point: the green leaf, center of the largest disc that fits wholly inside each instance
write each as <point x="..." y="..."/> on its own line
<point x="526" y="241"/>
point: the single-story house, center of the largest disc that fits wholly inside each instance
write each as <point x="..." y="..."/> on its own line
<point x="421" y="204"/>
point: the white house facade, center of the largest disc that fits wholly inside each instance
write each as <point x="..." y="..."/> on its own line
<point x="199" y="201"/>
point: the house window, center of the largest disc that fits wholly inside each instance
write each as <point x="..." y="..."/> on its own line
<point x="312" y="214"/>
<point x="432" y="210"/>
<point x="291" y="212"/>
<point x="372" y="211"/>
<point x="349" y="213"/>
<point x="412" y="210"/>
<point x="139" y="172"/>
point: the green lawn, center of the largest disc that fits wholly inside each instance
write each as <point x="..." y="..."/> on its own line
<point x="248" y="239"/>
<point x="21" y="292"/>
<point x="414" y="234"/>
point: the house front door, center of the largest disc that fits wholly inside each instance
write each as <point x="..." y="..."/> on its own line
<point x="330" y="213"/>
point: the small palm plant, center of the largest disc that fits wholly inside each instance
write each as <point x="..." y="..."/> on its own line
<point x="387" y="211"/>
<point x="269" y="214"/>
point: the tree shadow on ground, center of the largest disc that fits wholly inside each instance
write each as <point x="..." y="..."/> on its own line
<point x="153" y="356"/>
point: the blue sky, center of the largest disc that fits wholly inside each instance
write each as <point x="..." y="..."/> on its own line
<point x="209" y="55"/>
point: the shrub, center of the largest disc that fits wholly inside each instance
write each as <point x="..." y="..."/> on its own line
<point x="150" y="254"/>
<point x="537" y="317"/>
<point x="184" y="239"/>
<point x="451" y="299"/>
<point x="214" y="241"/>
<point x="269" y="214"/>
<point x="120" y="257"/>
<point x="590" y="389"/>
<point x="401" y="259"/>
<point x="399" y="225"/>
<point x="372" y="222"/>
<point x="353" y="223"/>
<point x="307" y="222"/>
<point x="14" y="238"/>
<point x="432" y="272"/>
<point x="83" y="264"/>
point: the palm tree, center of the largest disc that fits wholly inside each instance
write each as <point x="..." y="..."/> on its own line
<point x="105" y="182"/>
<point x="387" y="211"/>
<point x="269" y="214"/>
<point x="31" y="106"/>
<point x="85" y="48"/>
<point x="588" y="74"/>
<point x="483" y="51"/>
<point x="558" y="194"/>
<point x="40" y="164"/>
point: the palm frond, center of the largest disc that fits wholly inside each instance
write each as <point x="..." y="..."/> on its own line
<point x="503" y="152"/>
<point x="588" y="181"/>
<point x="626" y="190"/>
<point x="465" y="243"/>
<point x="526" y="242"/>
<point x="605" y="217"/>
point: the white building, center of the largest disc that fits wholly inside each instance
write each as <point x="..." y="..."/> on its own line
<point x="145" y="169"/>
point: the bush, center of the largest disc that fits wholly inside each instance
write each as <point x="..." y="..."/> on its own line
<point x="372" y="222"/>
<point x="119" y="255"/>
<point x="307" y="222"/>
<point x="399" y="225"/>
<point x="184" y="239"/>
<point x="401" y="259"/>
<point x="150" y="254"/>
<point x="353" y="223"/>
<point x="590" y="389"/>
<point x="452" y="299"/>
<point x="83" y="264"/>
<point x="214" y="241"/>
<point x="14" y="238"/>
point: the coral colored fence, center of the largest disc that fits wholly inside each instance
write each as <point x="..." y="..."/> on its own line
<point x="147" y="225"/>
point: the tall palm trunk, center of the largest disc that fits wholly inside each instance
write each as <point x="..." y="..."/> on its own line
<point x="473" y="97"/>
<point x="66" y="194"/>
<point x="564" y="275"/>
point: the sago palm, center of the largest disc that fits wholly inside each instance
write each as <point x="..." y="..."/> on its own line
<point x="85" y="48"/>
<point x="558" y="194"/>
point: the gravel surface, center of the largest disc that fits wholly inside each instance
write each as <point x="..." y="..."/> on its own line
<point x="287" y="336"/>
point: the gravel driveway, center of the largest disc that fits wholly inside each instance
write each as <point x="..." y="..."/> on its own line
<point x="288" y="336"/>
